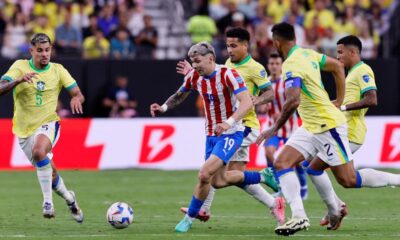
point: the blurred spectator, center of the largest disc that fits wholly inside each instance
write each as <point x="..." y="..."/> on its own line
<point x="146" y="41"/>
<point x="369" y="48"/>
<point x="107" y="21"/>
<point x="248" y="7"/>
<point x="201" y="27"/>
<point x="277" y="10"/>
<point x="218" y="9"/>
<point x="295" y="10"/>
<point x="119" y="101"/>
<point x="49" y="9"/>
<point x="263" y="38"/>
<point x="15" y="38"/>
<point x="135" y="23"/>
<point x="92" y="28"/>
<point x="345" y="24"/>
<point x="328" y="43"/>
<point x="227" y="20"/>
<point x="41" y="25"/>
<point x="80" y="14"/>
<point x="298" y="29"/>
<point x="313" y="34"/>
<point x="96" y="46"/>
<point x="68" y="38"/>
<point x="121" y="45"/>
<point x="325" y="17"/>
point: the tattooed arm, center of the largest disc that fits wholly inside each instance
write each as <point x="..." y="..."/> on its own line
<point x="173" y="101"/>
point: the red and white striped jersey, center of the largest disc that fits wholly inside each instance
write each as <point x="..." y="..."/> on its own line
<point x="218" y="92"/>
<point x="276" y="107"/>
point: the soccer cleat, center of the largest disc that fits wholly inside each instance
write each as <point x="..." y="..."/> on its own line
<point x="269" y="179"/>
<point x="304" y="193"/>
<point x="184" y="225"/>
<point x="292" y="226"/>
<point x="76" y="212"/>
<point x="48" y="210"/>
<point x="336" y="220"/>
<point x="325" y="220"/>
<point x="278" y="211"/>
<point x="202" y="215"/>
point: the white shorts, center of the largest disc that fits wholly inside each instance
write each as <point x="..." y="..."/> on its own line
<point x="51" y="130"/>
<point x="353" y="148"/>
<point x="332" y="145"/>
<point x="242" y="154"/>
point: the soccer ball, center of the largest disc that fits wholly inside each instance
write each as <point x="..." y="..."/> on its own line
<point x="120" y="215"/>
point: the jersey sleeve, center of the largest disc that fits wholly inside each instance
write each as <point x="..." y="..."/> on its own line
<point x="366" y="80"/>
<point x="234" y="81"/>
<point x="260" y="78"/>
<point x="13" y="72"/>
<point x="321" y="58"/>
<point x="66" y="79"/>
<point x="187" y="82"/>
<point x="291" y="75"/>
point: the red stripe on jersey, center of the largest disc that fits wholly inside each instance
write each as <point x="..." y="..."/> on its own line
<point x="216" y="101"/>
<point x="227" y="96"/>
<point x="225" y="74"/>
<point x="206" y="105"/>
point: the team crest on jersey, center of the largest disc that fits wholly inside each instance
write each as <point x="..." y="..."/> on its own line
<point x="41" y="85"/>
<point x="289" y="74"/>
<point x="263" y="73"/>
<point x="366" y="78"/>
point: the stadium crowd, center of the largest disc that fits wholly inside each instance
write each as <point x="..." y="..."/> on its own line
<point x="121" y="29"/>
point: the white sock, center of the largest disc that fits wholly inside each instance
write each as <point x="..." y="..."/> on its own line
<point x="374" y="178"/>
<point x="325" y="189"/>
<point x="210" y="197"/>
<point x="44" y="174"/>
<point x="290" y="188"/>
<point x="62" y="191"/>
<point x="259" y="193"/>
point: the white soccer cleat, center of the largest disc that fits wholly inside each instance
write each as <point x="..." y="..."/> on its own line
<point x="76" y="212"/>
<point x="336" y="220"/>
<point x="278" y="211"/>
<point x="48" y="210"/>
<point x="292" y="226"/>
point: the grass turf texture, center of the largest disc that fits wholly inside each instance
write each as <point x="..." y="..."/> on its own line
<point x="156" y="197"/>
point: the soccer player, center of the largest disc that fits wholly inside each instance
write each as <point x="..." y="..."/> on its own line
<point x="274" y="109"/>
<point x="255" y="77"/>
<point x="36" y="85"/>
<point x="226" y="102"/>
<point x="324" y="131"/>
<point x="361" y="93"/>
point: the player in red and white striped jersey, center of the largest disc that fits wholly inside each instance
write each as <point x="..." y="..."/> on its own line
<point x="274" y="110"/>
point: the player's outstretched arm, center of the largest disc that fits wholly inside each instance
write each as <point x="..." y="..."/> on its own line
<point x="337" y="69"/>
<point x="289" y="106"/>
<point x="369" y="99"/>
<point x="173" y="101"/>
<point x="266" y="95"/>
<point x="77" y="100"/>
<point x="6" y="86"/>
<point x="244" y="107"/>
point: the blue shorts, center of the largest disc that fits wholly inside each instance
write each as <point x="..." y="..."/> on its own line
<point x="275" y="141"/>
<point x="223" y="146"/>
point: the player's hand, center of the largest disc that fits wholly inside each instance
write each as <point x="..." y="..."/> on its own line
<point x="76" y="106"/>
<point x="255" y="100"/>
<point x="221" y="127"/>
<point x="265" y="135"/>
<point x="183" y="67"/>
<point x="336" y="103"/>
<point x="27" y="78"/>
<point x="154" y="108"/>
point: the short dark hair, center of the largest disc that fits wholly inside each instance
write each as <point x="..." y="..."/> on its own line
<point x="284" y="31"/>
<point x="40" y="38"/>
<point x="275" y="55"/>
<point x="351" y="40"/>
<point x="237" y="32"/>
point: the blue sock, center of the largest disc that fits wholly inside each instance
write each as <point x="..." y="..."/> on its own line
<point x="359" y="180"/>
<point x="55" y="182"/>
<point x="250" y="178"/>
<point x="301" y="174"/>
<point x="194" y="207"/>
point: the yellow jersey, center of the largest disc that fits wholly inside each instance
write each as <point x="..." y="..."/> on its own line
<point x="360" y="79"/>
<point x="35" y="103"/>
<point x="255" y="78"/>
<point x="316" y="110"/>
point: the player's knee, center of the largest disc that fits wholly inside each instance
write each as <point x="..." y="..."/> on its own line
<point x="279" y="164"/>
<point x="38" y="154"/>
<point x="204" y="176"/>
<point x="347" y="182"/>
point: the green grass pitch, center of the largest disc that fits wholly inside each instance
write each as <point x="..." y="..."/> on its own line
<point x="156" y="197"/>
